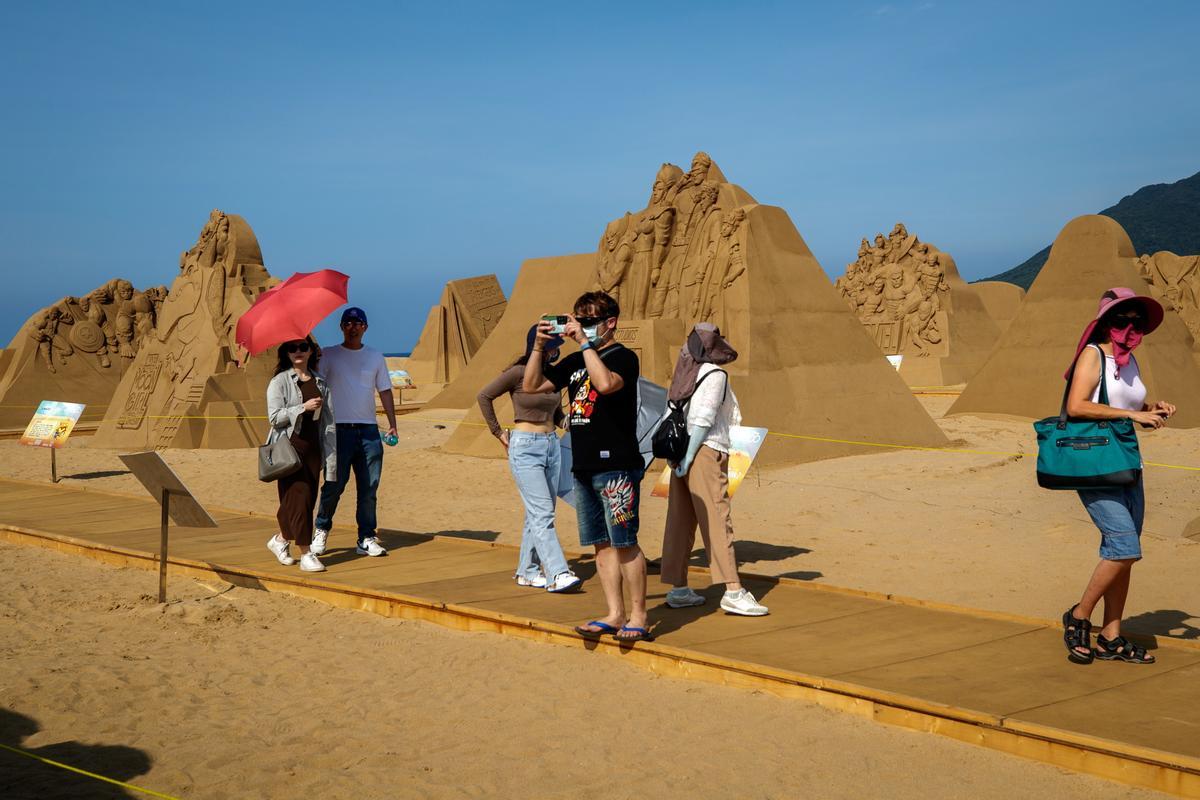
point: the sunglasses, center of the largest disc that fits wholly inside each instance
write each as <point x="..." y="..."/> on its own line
<point x="296" y="347"/>
<point x="353" y="323"/>
<point x="588" y="322"/>
<point x="1135" y="319"/>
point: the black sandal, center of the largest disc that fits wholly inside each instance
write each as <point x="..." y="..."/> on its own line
<point x="1121" y="649"/>
<point x="1077" y="633"/>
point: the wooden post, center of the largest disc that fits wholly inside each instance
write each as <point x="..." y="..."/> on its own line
<point x="54" y="465"/>
<point x="162" y="548"/>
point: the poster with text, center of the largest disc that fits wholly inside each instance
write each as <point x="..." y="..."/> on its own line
<point x="52" y="424"/>
<point x="744" y="446"/>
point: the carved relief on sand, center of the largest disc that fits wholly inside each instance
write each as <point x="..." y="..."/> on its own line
<point x="103" y="328"/>
<point x="897" y="286"/>
<point x="678" y="257"/>
<point x="1175" y="281"/>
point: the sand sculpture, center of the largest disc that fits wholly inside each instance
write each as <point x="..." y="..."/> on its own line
<point x="1023" y="377"/>
<point x="186" y="387"/>
<point x="1175" y="281"/>
<point x="469" y="310"/>
<point x="76" y="350"/>
<point x="703" y="249"/>
<point x="910" y="298"/>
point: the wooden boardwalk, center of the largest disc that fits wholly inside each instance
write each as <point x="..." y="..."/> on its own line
<point x="989" y="679"/>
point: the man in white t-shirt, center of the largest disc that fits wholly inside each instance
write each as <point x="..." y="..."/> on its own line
<point x="355" y="373"/>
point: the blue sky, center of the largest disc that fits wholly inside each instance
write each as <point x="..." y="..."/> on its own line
<point x="409" y="144"/>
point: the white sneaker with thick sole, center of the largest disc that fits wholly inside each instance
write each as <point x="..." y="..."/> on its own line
<point x="370" y="547"/>
<point x="684" y="597"/>
<point x="564" y="582"/>
<point x="310" y="563"/>
<point x="282" y="550"/>
<point x="536" y="582"/>
<point x="320" y="539"/>
<point x="743" y="603"/>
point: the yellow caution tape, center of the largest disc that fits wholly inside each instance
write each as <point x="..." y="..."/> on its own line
<point x="60" y="765"/>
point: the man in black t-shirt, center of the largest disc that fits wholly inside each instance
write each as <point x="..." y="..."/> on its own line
<point x="601" y="380"/>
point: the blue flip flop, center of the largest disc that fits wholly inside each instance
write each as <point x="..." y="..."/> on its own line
<point x="643" y="635"/>
<point x="604" y="628"/>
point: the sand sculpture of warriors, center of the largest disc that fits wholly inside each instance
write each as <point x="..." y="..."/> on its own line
<point x="651" y="233"/>
<point x="45" y="330"/>
<point x="930" y="273"/>
<point x="920" y="324"/>
<point x="94" y="309"/>
<point x="1175" y="280"/>
<point x="726" y="266"/>
<point x="694" y="239"/>
<point x="896" y="293"/>
<point x="616" y="255"/>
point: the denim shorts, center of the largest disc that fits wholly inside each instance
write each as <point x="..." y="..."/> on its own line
<point x="1118" y="513"/>
<point x="607" y="506"/>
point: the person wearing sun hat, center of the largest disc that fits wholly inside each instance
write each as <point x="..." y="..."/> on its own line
<point x="1124" y="318"/>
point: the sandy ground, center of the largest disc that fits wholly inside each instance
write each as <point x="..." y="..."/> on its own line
<point x="973" y="530"/>
<point x="234" y="693"/>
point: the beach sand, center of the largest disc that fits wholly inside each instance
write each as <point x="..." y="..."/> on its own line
<point x="236" y="693"/>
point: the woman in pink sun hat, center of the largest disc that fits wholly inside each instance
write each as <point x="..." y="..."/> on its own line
<point x="1107" y="343"/>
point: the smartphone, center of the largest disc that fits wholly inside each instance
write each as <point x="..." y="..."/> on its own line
<point x="559" y="321"/>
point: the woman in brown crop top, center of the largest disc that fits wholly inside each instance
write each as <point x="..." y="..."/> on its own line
<point x="533" y="456"/>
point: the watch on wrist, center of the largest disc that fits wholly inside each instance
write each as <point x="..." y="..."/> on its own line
<point x="585" y="346"/>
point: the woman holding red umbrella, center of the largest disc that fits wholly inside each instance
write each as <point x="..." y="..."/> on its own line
<point x="298" y="406"/>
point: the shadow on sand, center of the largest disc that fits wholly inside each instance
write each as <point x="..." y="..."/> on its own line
<point x="23" y="778"/>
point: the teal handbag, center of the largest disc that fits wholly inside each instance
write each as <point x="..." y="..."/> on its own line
<point x="1087" y="453"/>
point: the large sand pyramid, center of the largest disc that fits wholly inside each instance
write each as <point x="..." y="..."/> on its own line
<point x="910" y="298"/>
<point x="1023" y="377"/>
<point x="703" y="249"/>
<point x="462" y="320"/>
<point x="186" y="387"/>
<point x="76" y="350"/>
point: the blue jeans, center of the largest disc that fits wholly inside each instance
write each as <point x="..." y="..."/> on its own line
<point x="1118" y="513"/>
<point x="534" y="460"/>
<point x="607" y="506"/>
<point x="359" y="448"/>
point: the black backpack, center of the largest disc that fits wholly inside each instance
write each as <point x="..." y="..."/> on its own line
<point x="670" y="440"/>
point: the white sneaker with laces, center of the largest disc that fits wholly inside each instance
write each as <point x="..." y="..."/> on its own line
<point x="320" y="539"/>
<point x="537" y="581"/>
<point x="564" y="582"/>
<point x="684" y="597"/>
<point x="310" y="563"/>
<point x="370" y="547"/>
<point x="282" y="550"/>
<point x="743" y="603"/>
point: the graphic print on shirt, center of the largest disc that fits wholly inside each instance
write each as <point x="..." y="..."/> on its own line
<point x="584" y="401"/>
<point x="618" y="494"/>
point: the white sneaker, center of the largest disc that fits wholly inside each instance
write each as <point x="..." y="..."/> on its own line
<point x="320" y="539"/>
<point x="370" y="547"/>
<point x="537" y="581"/>
<point x="564" y="582"/>
<point x="310" y="563"/>
<point x="742" y="602"/>
<point x="684" y="597"/>
<point x="282" y="550"/>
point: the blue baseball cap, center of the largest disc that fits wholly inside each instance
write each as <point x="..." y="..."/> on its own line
<point x="354" y="314"/>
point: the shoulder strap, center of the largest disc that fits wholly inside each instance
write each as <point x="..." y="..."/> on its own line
<point x="1062" y="411"/>
<point x="688" y="399"/>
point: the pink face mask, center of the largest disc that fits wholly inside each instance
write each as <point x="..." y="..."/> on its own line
<point x="1124" y="340"/>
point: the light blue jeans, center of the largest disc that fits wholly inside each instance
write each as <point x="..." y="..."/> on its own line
<point x="534" y="460"/>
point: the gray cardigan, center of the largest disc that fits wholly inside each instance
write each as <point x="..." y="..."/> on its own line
<point x="285" y="405"/>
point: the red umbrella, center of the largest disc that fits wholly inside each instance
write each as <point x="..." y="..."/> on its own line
<point x="292" y="309"/>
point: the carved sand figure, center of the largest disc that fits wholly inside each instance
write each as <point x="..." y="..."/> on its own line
<point x="616" y="255"/>
<point x="698" y="234"/>
<point x="912" y="311"/>
<point x="729" y="265"/>
<point x="50" y="342"/>
<point x="1174" y="281"/>
<point x="185" y="386"/>
<point x="93" y="306"/>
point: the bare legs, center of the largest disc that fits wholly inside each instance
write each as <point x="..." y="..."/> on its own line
<point x="1110" y="580"/>
<point x="618" y="568"/>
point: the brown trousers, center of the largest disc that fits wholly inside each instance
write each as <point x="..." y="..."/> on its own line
<point x="700" y="498"/>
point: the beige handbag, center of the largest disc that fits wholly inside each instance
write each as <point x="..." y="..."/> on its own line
<point x="277" y="459"/>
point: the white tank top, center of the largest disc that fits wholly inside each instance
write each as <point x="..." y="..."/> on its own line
<point x="1126" y="392"/>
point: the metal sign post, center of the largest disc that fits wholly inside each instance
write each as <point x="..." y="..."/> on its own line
<point x="163" y="484"/>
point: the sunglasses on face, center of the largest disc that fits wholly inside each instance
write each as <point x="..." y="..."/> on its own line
<point x="353" y="323"/>
<point x="588" y="322"/>
<point x="296" y="347"/>
<point x="1137" y="320"/>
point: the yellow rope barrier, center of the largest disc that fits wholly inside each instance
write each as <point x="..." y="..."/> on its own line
<point x="60" y="765"/>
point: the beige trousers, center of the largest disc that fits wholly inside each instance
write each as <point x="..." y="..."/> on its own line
<point x="700" y="498"/>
